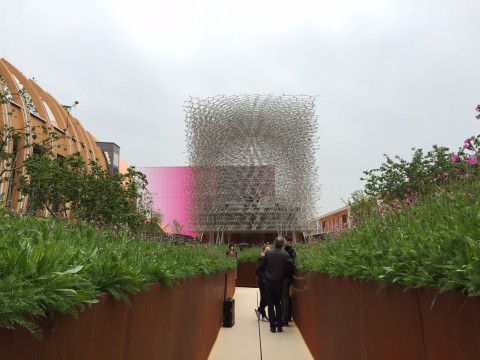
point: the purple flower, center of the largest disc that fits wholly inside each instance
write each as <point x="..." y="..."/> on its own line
<point x="445" y="176"/>
<point x="472" y="160"/>
<point x="468" y="141"/>
<point x="455" y="158"/>
<point x="409" y="201"/>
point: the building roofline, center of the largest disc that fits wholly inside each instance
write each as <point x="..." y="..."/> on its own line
<point x="331" y="212"/>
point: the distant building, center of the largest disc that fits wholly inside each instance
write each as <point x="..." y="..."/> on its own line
<point x="24" y="106"/>
<point x="332" y="221"/>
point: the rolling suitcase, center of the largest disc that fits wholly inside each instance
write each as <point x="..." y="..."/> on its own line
<point x="228" y="317"/>
<point x="228" y="312"/>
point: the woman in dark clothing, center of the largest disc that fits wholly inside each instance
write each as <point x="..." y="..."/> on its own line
<point x="260" y="270"/>
<point x="232" y="252"/>
<point x="286" y="299"/>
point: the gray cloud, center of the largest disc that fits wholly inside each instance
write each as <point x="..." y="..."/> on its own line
<point x="389" y="75"/>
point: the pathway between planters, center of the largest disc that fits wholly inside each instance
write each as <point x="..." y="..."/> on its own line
<point x="250" y="339"/>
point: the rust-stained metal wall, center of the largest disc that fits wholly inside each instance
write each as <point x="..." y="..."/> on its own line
<point x="246" y="275"/>
<point x="342" y="318"/>
<point x="161" y="323"/>
<point x="231" y="283"/>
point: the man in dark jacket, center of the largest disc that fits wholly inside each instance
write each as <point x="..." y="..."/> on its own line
<point x="286" y="299"/>
<point x="277" y="264"/>
<point x="260" y="270"/>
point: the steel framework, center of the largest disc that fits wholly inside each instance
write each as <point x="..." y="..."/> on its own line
<point x="253" y="164"/>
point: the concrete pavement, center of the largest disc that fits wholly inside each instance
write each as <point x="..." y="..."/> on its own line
<point x="250" y="339"/>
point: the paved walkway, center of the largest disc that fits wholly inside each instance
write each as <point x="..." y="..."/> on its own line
<point x="250" y="339"/>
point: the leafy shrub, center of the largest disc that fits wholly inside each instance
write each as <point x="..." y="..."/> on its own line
<point x="435" y="242"/>
<point x="419" y="225"/>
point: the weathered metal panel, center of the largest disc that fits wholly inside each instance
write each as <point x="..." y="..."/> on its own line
<point x="390" y="322"/>
<point x="451" y="324"/>
<point x="246" y="275"/>
<point x="342" y="318"/>
<point x="159" y="323"/>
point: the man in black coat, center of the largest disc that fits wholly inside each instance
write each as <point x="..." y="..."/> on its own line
<point x="277" y="263"/>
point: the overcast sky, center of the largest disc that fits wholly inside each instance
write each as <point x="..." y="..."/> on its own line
<point x="389" y="75"/>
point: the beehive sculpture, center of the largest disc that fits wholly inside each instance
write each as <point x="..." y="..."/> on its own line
<point x="253" y="163"/>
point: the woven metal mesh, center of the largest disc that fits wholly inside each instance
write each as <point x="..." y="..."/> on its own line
<point x="253" y="164"/>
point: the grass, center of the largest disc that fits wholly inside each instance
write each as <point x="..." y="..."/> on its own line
<point x="249" y="254"/>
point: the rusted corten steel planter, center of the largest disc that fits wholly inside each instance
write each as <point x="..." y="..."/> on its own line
<point x="231" y="283"/>
<point x="342" y="318"/>
<point x="246" y="276"/>
<point x="161" y="323"/>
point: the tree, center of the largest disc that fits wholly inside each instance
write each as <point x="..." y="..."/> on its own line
<point x="177" y="227"/>
<point x="53" y="184"/>
<point x="400" y="179"/>
<point x="15" y="143"/>
<point x="64" y="188"/>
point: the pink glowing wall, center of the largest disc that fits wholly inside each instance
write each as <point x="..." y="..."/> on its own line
<point x="168" y="185"/>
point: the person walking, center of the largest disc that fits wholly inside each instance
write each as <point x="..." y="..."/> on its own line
<point x="287" y="283"/>
<point x="260" y="270"/>
<point x="277" y="264"/>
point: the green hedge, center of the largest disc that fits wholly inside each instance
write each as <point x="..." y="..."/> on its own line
<point x="250" y="254"/>
<point x="49" y="267"/>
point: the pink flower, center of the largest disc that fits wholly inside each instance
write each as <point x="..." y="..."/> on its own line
<point x="445" y="176"/>
<point x="121" y="232"/>
<point x="467" y="144"/>
<point x="455" y="158"/>
<point x="409" y="201"/>
<point x="115" y="227"/>
<point x="472" y="160"/>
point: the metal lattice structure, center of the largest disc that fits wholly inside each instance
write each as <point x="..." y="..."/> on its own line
<point x="253" y="164"/>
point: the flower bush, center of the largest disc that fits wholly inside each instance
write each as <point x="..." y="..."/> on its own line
<point x="417" y="223"/>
